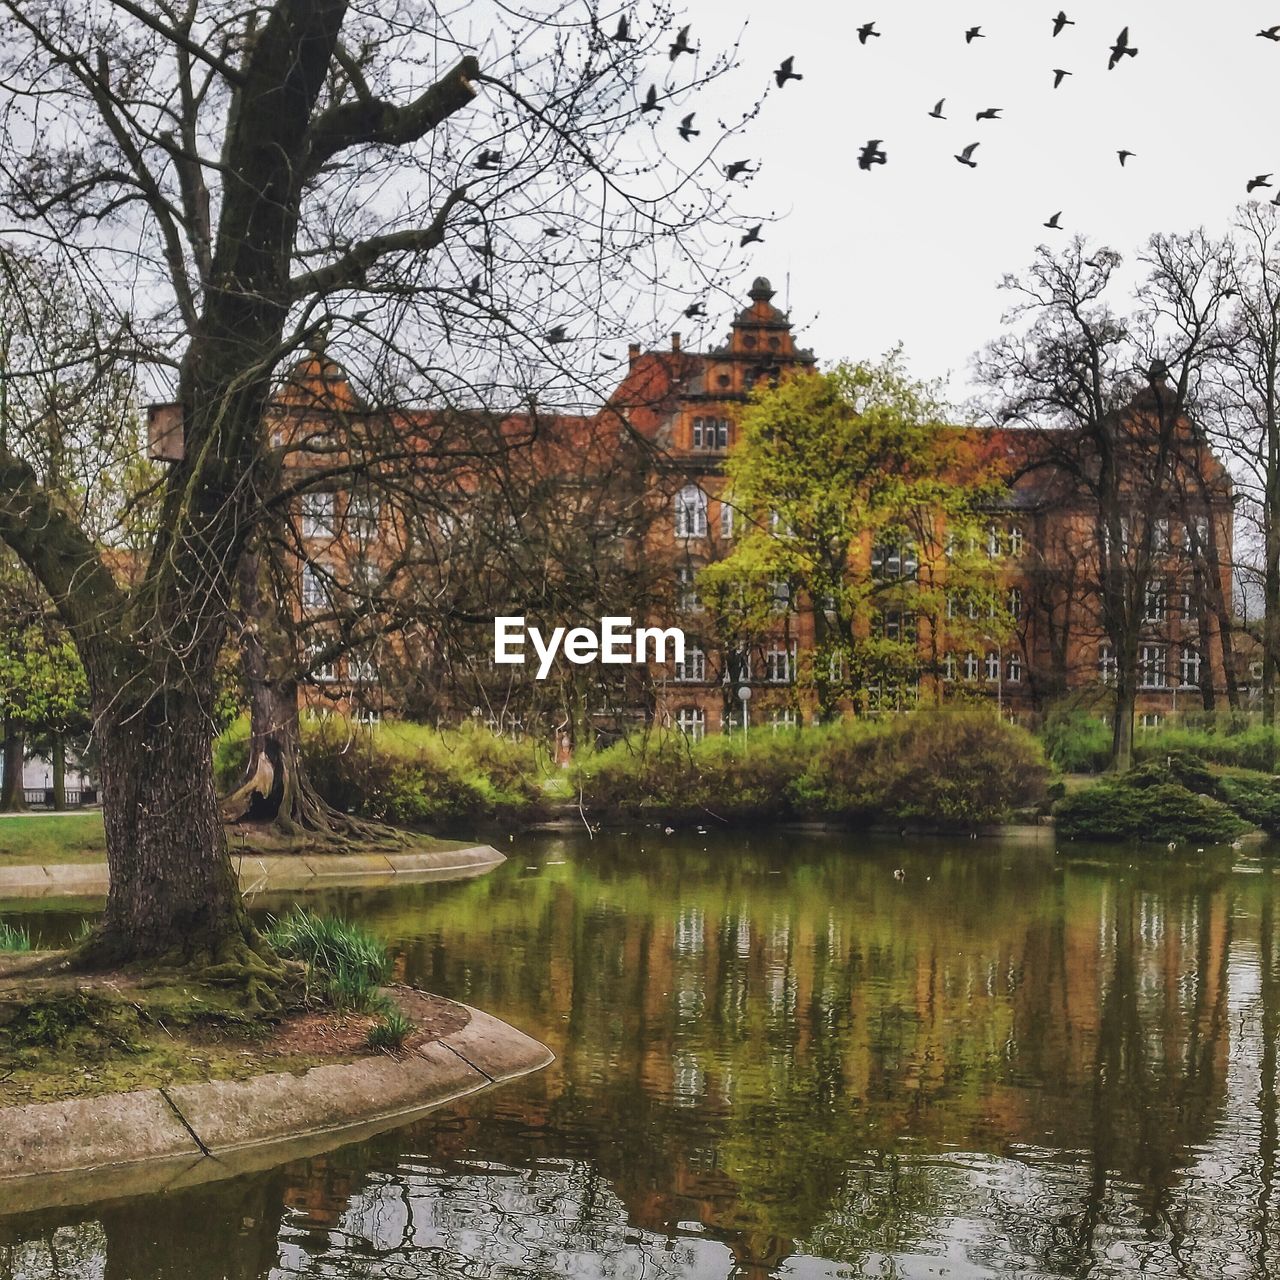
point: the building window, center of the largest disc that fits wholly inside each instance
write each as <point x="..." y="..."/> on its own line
<point x="687" y="589"/>
<point x="726" y="518"/>
<point x="1160" y="537"/>
<point x="1015" y="602"/>
<point x="1153" y="609"/>
<point x="835" y="668"/>
<point x="362" y="670"/>
<point x="1189" y="667"/>
<point x="363" y="510"/>
<point x="894" y="560"/>
<point x="993" y="666"/>
<point x="694" y="666"/>
<point x="1150" y="720"/>
<point x="948" y="666"/>
<point x="711" y="433"/>
<point x="692" y="722"/>
<point x="1106" y="664"/>
<point x="691" y="512"/>
<point x="1198" y="535"/>
<point x="783" y="718"/>
<point x="1152" y="670"/>
<point x="1013" y="669"/>
<point x="324" y="672"/>
<point x="971" y="665"/>
<point x="1015" y="539"/>
<point x="896" y="624"/>
<point x="315" y="594"/>
<point x="779" y="595"/>
<point x="779" y="664"/>
<point x="317" y="515"/>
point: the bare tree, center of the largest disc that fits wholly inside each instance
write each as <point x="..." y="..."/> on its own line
<point x="456" y="202"/>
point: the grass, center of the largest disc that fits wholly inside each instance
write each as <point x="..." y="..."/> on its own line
<point x="346" y="964"/>
<point x="14" y="937"/>
<point x="391" y="1032"/>
<point x="53" y="838"/>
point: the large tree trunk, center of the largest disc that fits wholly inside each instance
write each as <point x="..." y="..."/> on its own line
<point x="1122" y="727"/>
<point x="58" y="754"/>
<point x="276" y="794"/>
<point x="12" y="799"/>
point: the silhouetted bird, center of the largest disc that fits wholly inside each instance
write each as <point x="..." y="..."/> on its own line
<point x="1120" y="49"/>
<point x="871" y="154"/>
<point x="1053" y="224"/>
<point x="991" y="113"/>
<point x="974" y="33"/>
<point x="784" y="72"/>
<point x="1275" y="199"/>
<point x="936" y="113"/>
<point x="731" y="171"/>
<point x="623" y="32"/>
<point x="681" y="44"/>
<point x="966" y="156"/>
<point x="552" y="231"/>
<point x="1260" y="181"/>
<point x="557" y="334"/>
<point x="1061" y="21"/>
<point x="1059" y="76"/>
<point x="687" y="130"/>
<point x="694" y="310"/>
<point x="1271" y="33"/>
<point x="650" y="102"/>
<point x="752" y="236"/>
<point x="488" y="159"/>
<point x="867" y="30"/>
<point x="1124" y="155"/>
<point x="473" y="287"/>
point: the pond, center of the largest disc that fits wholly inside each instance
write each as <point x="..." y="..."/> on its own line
<point x="776" y="1059"/>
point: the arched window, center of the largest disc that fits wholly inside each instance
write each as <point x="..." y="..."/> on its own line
<point x="691" y="512"/>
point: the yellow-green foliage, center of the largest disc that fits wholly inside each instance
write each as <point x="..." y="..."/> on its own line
<point x="955" y="766"/>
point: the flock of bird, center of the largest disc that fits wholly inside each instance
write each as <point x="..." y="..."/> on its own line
<point x="873" y="152"/>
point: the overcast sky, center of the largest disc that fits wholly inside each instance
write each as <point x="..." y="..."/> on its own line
<point x="913" y="250"/>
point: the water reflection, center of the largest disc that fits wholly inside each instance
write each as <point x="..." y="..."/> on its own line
<point x="778" y="1061"/>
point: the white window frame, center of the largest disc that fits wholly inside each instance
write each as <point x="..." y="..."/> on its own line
<point x="692" y="722"/>
<point x="780" y="664"/>
<point x="315" y="588"/>
<point x="1190" y="667"/>
<point x="1107" y="663"/>
<point x="691" y="512"/>
<point x="687" y="588"/>
<point x="693" y="670"/>
<point x="1153" y="666"/>
<point x="1013" y="669"/>
<point x="1016" y="539"/>
<point x="362" y="670"/>
<point x="972" y="666"/>
<point x="992" y="666"/>
<point x="318" y="514"/>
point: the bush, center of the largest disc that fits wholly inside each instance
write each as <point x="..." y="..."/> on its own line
<point x="345" y="963"/>
<point x="1075" y="741"/>
<point x="1146" y="809"/>
<point x="1255" y="796"/>
<point x="13" y="937"/>
<point x="391" y="1032"/>
<point x="950" y="766"/>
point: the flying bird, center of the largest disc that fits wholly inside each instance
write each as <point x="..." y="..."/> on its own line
<point x="784" y="72"/>
<point x="1271" y="33"/>
<point x="871" y="154"/>
<point x="687" y="130"/>
<point x="1262" y="180"/>
<point x="694" y="310"/>
<point x="1053" y="224"/>
<point x="557" y="334"/>
<point x="650" y="102"/>
<point x="936" y="113"/>
<point x="488" y="159"/>
<point x="623" y="32"/>
<point x="752" y="236"/>
<point x="1120" y="49"/>
<point x="681" y="44"/>
<point x="1059" y="76"/>
<point x="867" y="30"/>
<point x="974" y="33"/>
<point x="1275" y="199"/>
<point x="1062" y="21"/>
<point x="1124" y="155"/>
<point x="991" y="113"/>
<point x="966" y="156"/>
<point x="731" y="171"/>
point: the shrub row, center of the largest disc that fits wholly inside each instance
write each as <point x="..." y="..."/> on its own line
<point x="952" y="766"/>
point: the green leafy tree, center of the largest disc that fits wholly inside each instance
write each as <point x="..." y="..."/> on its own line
<point x="864" y="506"/>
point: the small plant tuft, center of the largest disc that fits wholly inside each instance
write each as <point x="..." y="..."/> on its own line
<point x="345" y="963"/>
<point x="391" y="1032"/>
<point x="14" y="937"/>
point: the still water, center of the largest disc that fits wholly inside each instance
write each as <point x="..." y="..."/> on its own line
<point x="774" y="1059"/>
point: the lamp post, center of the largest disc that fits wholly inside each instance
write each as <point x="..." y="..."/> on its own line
<point x="744" y="696"/>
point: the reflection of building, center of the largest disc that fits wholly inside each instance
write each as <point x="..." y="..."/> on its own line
<point x="642" y="481"/>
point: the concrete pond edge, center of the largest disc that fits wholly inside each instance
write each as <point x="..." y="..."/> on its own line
<point x="260" y="873"/>
<point x="149" y="1141"/>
